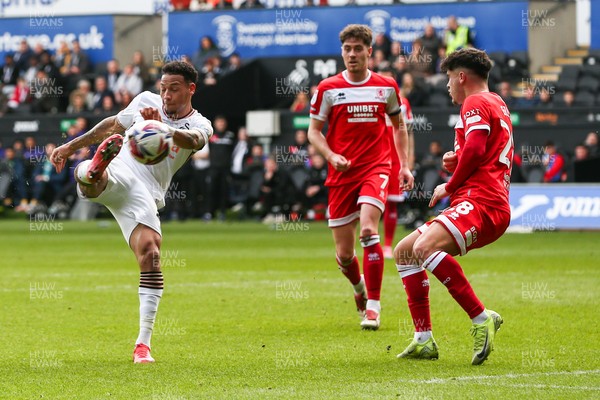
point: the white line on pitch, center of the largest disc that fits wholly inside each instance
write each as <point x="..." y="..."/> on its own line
<point x="510" y="376"/>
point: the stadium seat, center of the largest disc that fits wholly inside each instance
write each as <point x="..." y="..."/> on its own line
<point x="598" y="100"/>
<point x="440" y="87"/>
<point x="499" y="58"/>
<point x="517" y="66"/>
<point x="588" y="84"/>
<point x="496" y="73"/>
<point x="570" y="71"/>
<point x="568" y="83"/>
<point x="591" y="70"/>
<point x="584" y="99"/>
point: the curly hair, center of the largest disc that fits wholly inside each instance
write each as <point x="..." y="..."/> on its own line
<point x="472" y="59"/>
<point x="189" y="73"/>
<point x="355" y="31"/>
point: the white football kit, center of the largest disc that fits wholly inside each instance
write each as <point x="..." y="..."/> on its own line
<point x="135" y="192"/>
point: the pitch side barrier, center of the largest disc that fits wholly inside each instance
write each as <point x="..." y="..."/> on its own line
<point x="551" y="207"/>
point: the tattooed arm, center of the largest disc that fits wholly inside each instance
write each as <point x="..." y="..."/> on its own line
<point x="105" y="128"/>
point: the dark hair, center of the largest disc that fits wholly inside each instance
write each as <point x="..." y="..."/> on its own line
<point x="476" y="61"/>
<point x="189" y="73"/>
<point x="355" y="31"/>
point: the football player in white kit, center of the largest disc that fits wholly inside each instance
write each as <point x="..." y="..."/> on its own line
<point x="134" y="192"/>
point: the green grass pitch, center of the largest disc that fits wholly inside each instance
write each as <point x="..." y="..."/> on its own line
<point x="255" y="312"/>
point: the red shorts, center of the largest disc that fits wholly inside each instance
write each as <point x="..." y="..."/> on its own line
<point x="470" y="224"/>
<point x="345" y="200"/>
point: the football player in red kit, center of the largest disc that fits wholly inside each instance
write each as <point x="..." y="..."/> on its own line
<point x="479" y="210"/>
<point x="354" y="103"/>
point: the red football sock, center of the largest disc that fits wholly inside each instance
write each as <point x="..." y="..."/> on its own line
<point x="449" y="272"/>
<point x="390" y="220"/>
<point x="416" y="285"/>
<point x="350" y="270"/>
<point x="372" y="265"/>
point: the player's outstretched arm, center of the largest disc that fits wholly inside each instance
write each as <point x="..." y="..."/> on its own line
<point x="317" y="139"/>
<point x="103" y="129"/>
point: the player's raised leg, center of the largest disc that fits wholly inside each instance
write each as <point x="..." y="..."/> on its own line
<point x="372" y="263"/>
<point x="91" y="174"/>
<point x="416" y="285"/>
<point x="145" y="243"/>
<point x="435" y="249"/>
<point x="344" y="237"/>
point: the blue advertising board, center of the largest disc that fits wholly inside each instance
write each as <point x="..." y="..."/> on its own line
<point x="314" y="31"/>
<point x="595" y="22"/>
<point x="95" y="34"/>
<point x="555" y="206"/>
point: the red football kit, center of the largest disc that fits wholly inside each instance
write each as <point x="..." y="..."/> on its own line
<point x="357" y="130"/>
<point x="480" y="211"/>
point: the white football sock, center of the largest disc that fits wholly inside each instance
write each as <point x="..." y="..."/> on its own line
<point x="149" y="299"/>
<point x="481" y="318"/>
<point x="374" y="305"/>
<point x="82" y="170"/>
<point x="422" y="337"/>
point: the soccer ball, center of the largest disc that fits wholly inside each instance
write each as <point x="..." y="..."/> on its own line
<point x="149" y="142"/>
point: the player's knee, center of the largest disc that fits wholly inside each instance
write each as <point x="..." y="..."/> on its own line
<point x="345" y="255"/>
<point x="368" y="232"/>
<point x="403" y="253"/>
<point x="422" y="249"/>
<point x="149" y="255"/>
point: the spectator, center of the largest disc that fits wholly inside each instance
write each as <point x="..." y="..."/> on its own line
<point x="400" y="68"/>
<point x="201" y="183"/>
<point x="505" y="91"/>
<point x="433" y="159"/>
<point x="274" y="191"/>
<point x="141" y="69"/>
<point x="420" y="61"/>
<point x="113" y="73"/>
<point x="47" y="183"/>
<point x="301" y="103"/>
<point x="413" y="92"/>
<point x="553" y="163"/>
<point x="20" y="99"/>
<point x="529" y="98"/>
<point x="568" y="99"/>
<point x="209" y="74"/>
<point x="126" y="98"/>
<point x="591" y="142"/>
<point x="128" y="82"/>
<point x="233" y="64"/>
<point x="30" y="72"/>
<point x="14" y="190"/>
<point x="383" y="43"/>
<point x="107" y="105"/>
<point x="101" y="91"/>
<point x="181" y="5"/>
<point x="62" y="58"/>
<point x="77" y="103"/>
<point x="44" y="94"/>
<point x="221" y="147"/>
<point x="315" y="192"/>
<point x="239" y="181"/>
<point x="10" y="72"/>
<point x="251" y="4"/>
<point x="582" y="152"/>
<point x="207" y="49"/>
<point x="300" y="149"/>
<point x="48" y="66"/>
<point x="457" y="36"/>
<point x="396" y="51"/>
<point x="545" y="100"/>
<point x="79" y="63"/>
<point x="431" y="42"/>
<point x="85" y="88"/>
<point x="23" y="55"/>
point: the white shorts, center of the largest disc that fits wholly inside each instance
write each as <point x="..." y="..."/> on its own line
<point x="128" y="199"/>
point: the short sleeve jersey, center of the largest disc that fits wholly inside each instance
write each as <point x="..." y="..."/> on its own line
<point x="490" y="183"/>
<point x="158" y="177"/>
<point x="357" y="129"/>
